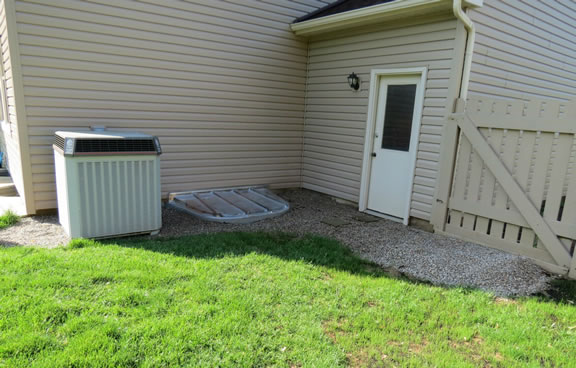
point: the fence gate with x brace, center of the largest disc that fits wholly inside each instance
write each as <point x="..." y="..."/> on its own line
<point x="514" y="182"/>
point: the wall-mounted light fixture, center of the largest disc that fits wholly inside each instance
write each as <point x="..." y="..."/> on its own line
<point x="354" y="81"/>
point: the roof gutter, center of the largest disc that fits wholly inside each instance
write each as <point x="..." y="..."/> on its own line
<point x="368" y="15"/>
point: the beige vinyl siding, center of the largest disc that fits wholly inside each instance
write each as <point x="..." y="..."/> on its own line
<point x="9" y="124"/>
<point x="336" y="115"/>
<point x="222" y="84"/>
<point x="525" y="49"/>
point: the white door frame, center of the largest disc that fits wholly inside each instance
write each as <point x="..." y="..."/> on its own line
<point x="375" y="76"/>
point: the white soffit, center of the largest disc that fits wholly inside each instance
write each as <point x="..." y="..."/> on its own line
<point x="373" y="14"/>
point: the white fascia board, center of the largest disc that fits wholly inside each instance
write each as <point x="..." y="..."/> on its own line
<point x="368" y="15"/>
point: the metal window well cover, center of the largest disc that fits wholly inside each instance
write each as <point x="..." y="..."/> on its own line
<point x="234" y="205"/>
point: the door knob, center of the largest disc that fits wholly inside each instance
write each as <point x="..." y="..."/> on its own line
<point x="373" y="154"/>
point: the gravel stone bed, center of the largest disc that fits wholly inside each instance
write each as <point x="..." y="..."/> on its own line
<point x="415" y="253"/>
<point x="42" y="231"/>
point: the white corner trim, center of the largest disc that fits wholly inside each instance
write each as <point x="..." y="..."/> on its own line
<point x="369" y="14"/>
<point x="20" y="108"/>
<point x="375" y="76"/>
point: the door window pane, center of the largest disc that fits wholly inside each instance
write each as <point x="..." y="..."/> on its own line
<point x="398" y="119"/>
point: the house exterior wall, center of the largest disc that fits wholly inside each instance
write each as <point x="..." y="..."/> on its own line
<point x="221" y="83"/>
<point x="9" y="121"/>
<point x="334" y="132"/>
<point x="524" y="50"/>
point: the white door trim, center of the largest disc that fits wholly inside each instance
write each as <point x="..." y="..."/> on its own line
<point x="375" y="76"/>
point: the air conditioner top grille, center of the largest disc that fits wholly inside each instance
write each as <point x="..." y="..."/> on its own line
<point x="106" y="143"/>
<point x="115" y="146"/>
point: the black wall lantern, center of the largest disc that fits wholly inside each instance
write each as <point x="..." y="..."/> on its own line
<point x="354" y="81"/>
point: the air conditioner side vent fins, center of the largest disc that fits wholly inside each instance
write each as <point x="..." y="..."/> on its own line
<point x="59" y="142"/>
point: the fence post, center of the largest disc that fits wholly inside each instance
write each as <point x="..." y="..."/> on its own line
<point x="450" y="138"/>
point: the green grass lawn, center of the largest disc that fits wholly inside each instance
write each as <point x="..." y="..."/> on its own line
<point x="244" y="300"/>
<point x="8" y="218"/>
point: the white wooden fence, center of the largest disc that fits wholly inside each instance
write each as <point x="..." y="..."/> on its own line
<point x="514" y="185"/>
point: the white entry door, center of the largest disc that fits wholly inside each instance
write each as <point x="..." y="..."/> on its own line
<point x="397" y="120"/>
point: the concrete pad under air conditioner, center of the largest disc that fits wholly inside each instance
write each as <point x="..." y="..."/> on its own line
<point x="234" y="205"/>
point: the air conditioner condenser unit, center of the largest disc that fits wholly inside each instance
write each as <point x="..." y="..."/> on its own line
<point x="108" y="183"/>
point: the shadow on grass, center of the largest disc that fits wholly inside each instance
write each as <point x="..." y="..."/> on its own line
<point x="312" y="249"/>
<point x="561" y="291"/>
<point x="315" y="250"/>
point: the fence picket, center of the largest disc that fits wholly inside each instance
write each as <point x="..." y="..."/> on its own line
<point x="569" y="213"/>
<point x="461" y="172"/>
<point x="542" y="152"/>
<point x="525" y="157"/>
<point x="559" y="169"/>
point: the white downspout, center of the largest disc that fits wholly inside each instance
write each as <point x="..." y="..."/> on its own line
<point x="461" y="15"/>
